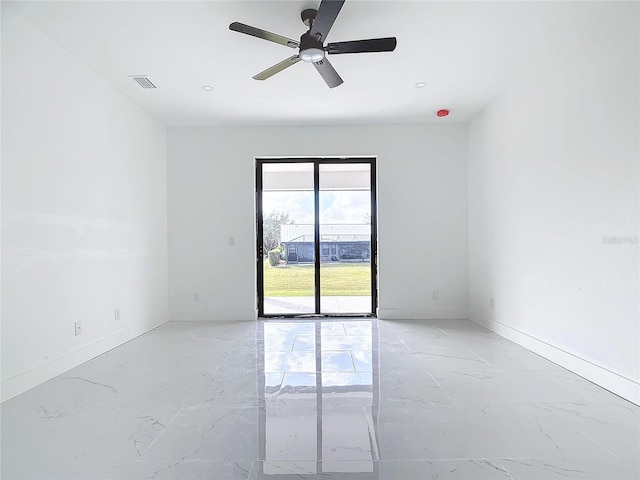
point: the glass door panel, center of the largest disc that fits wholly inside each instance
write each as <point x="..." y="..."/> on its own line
<point x="345" y="238"/>
<point x="288" y="272"/>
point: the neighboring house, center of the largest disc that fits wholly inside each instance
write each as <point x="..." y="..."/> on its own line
<point x="338" y="243"/>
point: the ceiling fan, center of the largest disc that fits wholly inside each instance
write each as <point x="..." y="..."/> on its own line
<point x="311" y="45"/>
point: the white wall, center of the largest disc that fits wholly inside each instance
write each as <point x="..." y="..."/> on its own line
<point x="421" y="214"/>
<point x="83" y="212"/>
<point x="553" y="170"/>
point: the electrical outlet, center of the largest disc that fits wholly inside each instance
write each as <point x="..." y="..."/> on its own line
<point x="196" y="297"/>
<point x="117" y="314"/>
<point x="492" y="303"/>
<point x="78" y="328"/>
<point x="434" y="294"/>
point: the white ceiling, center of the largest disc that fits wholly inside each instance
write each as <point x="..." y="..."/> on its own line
<point x="467" y="52"/>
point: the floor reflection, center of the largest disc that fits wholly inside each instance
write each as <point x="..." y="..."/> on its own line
<point x="324" y="400"/>
<point x="320" y="385"/>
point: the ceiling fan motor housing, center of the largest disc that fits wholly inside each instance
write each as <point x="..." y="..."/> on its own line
<point x="308" y="16"/>
<point x="311" y="49"/>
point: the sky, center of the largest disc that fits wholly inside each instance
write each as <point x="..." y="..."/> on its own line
<point x="338" y="206"/>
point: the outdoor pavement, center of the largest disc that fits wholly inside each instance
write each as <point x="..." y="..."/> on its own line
<point x="302" y="305"/>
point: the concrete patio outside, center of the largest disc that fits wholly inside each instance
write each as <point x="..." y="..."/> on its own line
<point x="328" y="304"/>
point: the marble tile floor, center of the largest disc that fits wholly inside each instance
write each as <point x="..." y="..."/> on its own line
<point x="319" y="399"/>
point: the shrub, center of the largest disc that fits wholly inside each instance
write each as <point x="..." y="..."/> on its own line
<point x="274" y="257"/>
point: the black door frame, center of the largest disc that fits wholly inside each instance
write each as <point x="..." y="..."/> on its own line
<point x="316" y="161"/>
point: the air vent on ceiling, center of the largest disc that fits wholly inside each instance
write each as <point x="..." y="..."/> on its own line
<point x="144" y="82"/>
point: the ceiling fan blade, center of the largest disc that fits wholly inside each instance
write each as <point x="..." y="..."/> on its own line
<point x="257" y="32"/>
<point x="328" y="73"/>
<point x="327" y="13"/>
<point x="278" y="67"/>
<point x="357" y="46"/>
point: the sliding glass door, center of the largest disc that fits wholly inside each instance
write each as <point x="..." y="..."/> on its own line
<point x="345" y="237"/>
<point x="287" y="200"/>
<point x="316" y="236"/>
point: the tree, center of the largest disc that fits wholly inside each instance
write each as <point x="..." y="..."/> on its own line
<point x="271" y="228"/>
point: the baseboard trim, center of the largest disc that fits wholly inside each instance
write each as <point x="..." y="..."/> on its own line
<point x="420" y="314"/>
<point x="20" y="383"/>
<point x="622" y="386"/>
<point x="212" y="315"/>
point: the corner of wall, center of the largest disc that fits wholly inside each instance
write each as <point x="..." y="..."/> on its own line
<point x="615" y="383"/>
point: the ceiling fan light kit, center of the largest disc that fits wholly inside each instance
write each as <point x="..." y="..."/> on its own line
<point x="311" y="45"/>
<point x="311" y="49"/>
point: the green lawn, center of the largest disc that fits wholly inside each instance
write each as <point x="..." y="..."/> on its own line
<point x="336" y="279"/>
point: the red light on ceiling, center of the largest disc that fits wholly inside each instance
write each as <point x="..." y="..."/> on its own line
<point x="442" y="113"/>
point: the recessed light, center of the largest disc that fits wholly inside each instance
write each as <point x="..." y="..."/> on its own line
<point x="207" y="88"/>
<point x="421" y="85"/>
